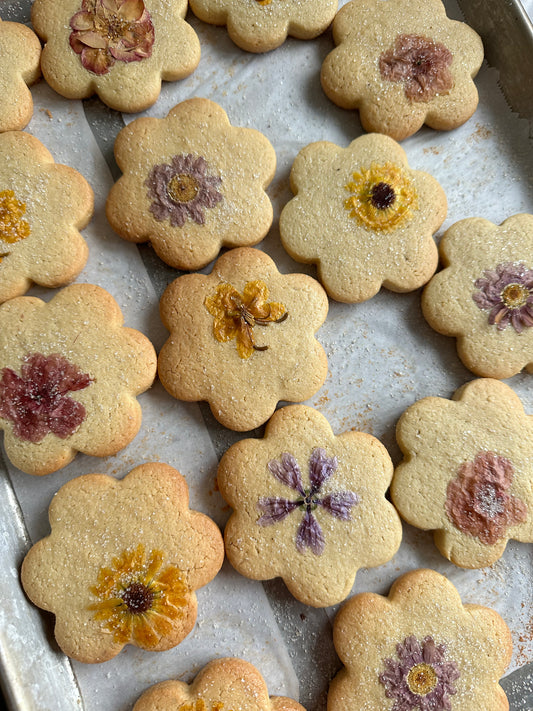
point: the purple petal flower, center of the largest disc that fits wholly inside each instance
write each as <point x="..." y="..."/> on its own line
<point x="287" y="472"/>
<point x="309" y="535"/>
<point x="506" y="292"/>
<point x="321" y="467"/>
<point x="274" y="509"/>
<point x="339" y="504"/>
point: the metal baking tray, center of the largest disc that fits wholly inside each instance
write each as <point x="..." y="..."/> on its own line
<point x="382" y="357"/>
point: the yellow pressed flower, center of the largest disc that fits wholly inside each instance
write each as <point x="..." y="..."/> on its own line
<point x="383" y="197"/>
<point x="138" y="600"/>
<point x="12" y="227"/>
<point x="200" y="705"/>
<point x="236" y="315"/>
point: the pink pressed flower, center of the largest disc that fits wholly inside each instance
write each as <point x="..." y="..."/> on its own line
<point x="37" y="402"/>
<point x="421" y="64"/>
<point x="105" y="31"/>
<point x="507" y="293"/>
<point x="338" y="504"/>
<point x="421" y="678"/>
<point x="478" y="502"/>
<point x="182" y="189"/>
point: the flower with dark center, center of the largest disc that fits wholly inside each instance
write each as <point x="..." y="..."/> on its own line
<point x="506" y="292"/>
<point x="37" y="401"/>
<point x="421" y="678"/>
<point x="421" y="64"/>
<point x="138" y="598"/>
<point x="383" y="197"/>
<point x="478" y="500"/>
<point x="236" y="315"/>
<point x="182" y="189"/>
<point x="338" y="504"/>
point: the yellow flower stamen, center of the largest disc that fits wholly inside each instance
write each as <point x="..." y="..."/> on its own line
<point x="422" y="679"/>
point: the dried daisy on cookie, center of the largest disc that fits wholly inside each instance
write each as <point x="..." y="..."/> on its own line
<point x="122" y="562"/>
<point x="263" y="25"/>
<point x="403" y="64"/>
<point x="69" y="376"/>
<point x="243" y="338"/>
<point x="192" y="183"/>
<point x="419" y="649"/>
<point x="484" y="295"/>
<point x="363" y="216"/>
<point x="222" y="685"/>
<point x="20" y="57"/>
<point x="304" y="500"/>
<point x="43" y="206"/>
<point x="120" y="50"/>
<point x="467" y="471"/>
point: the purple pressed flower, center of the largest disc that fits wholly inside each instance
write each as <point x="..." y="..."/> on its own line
<point x="506" y="292"/>
<point x="182" y="189"/>
<point x="287" y="471"/>
<point x="478" y="502"/>
<point x="36" y="401"/>
<point x="421" y="678"/>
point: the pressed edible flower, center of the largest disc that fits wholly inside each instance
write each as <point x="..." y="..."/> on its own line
<point x="478" y="502"/>
<point x="421" y="678"/>
<point x="383" y="197"/>
<point x="338" y="504"/>
<point x="138" y="598"/>
<point x="200" y="705"/>
<point x="182" y="189"/>
<point x="421" y="64"/>
<point x="12" y="227"/>
<point x="37" y="400"/>
<point x="506" y="292"/>
<point x="237" y="314"/>
<point x="106" y="31"/>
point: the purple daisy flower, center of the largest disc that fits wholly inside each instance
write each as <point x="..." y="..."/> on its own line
<point x="421" y="678"/>
<point x="287" y="471"/>
<point x="507" y="293"/>
<point x="182" y="189"/>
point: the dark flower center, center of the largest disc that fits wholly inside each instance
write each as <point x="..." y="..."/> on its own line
<point x="182" y="187"/>
<point x="422" y="679"/>
<point x="515" y="295"/>
<point x="382" y="195"/>
<point x="138" y="598"/>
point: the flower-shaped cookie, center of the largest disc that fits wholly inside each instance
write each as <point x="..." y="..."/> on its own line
<point x="419" y="649"/>
<point x="262" y="25"/>
<point x="309" y="507"/>
<point x="122" y="562"/>
<point x="20" y="57"/>
<point x="402" y="64"/>
<point x="42" y="207"/>
<point x="467" y="471"/>
<point x="242" y="338"/>
<point x="69" y="376"/>
<point x="363" y="217"/>
<point x="192" y="183"/>
<point x="484" y="296"/>
<point x="118" y="49"/>
<point x="223" y="684"/>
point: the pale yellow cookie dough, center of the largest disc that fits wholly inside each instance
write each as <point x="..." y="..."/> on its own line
<point x="20" y="57"/>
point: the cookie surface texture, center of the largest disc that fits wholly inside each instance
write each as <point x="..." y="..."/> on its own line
<point x="227" y="683"/>
<point x="263" y="25"/>
<point x="120" y="50"/>
<point x="192" y="183"/>
<point x="43" y="205"/>
<point x="467" y="471"/>
<point x="309" y="507"/>
<point x="363" y="216"/>
<point x="20" y="57"/>
<point x="122" y="562"/>
<point x="484" y="295"/>
<point x="402" y="64"/>
<point x="69" y="376"/>
<point x="419" y="648"/>
<point x="243" y="338"/>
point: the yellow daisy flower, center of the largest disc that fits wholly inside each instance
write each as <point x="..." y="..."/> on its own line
<point x="12" y="227"/>
<point x="236" y="315"/>
<point x="383" y="197"/>
<point x="138" y="600"/>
